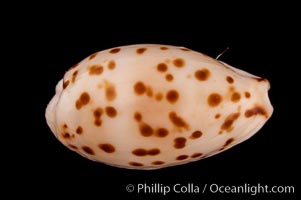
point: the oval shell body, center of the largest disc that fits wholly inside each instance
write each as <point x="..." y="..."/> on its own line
<point x="152" y="106"/>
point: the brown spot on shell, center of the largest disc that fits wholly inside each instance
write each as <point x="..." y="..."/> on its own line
<point x="158" y="162"/>
<point x="235" y="97"/>
<point x="139" y="88"/>
<point x="136" y="164"/>
<point x="172" y="96"/>
<point x="115" y="50"/>
<point x="214" y="99"/>
<point x="149" y="91"/>
<point x="161" y="132"/>
<point x="182" y="157"/>
<point x="177" y="120"/>
<point x="179" y="62"/>
<point x="196" y="134"/>
<point x="162" y="67"/>
<point x="196" y="155"/>
<point x="74" y="75"/>
<point x="141" y="50"/>
<point x="146" y="130"/>
<point x="88" y="150"/>
<point x="229" y="141"/>
<point x="184" y="49"/>
<point x="111" y="111"/>
<point x="97" y="122"/>
<point x="79" y="130"/>
<point x="202" y="75"/>
<point x="229" y="79"/>
<point x="137" y="116"/>
<point x="72" y="146"/>
<point x="217" y="116"/>
<point x="78" y="105"/>
<point x="108" y="148"/>
<point x="230" y="119"/>
<point x="144" y="152"/>
<point x="259" y="79"/>
<point x="110" y="92"/>
<point x="66" y="135"/>
<point x="65" y="84"/>
<point x="95" y="70"/>
<point x="163" y="48"/>
<point x="257" y="110"/>
<point x="92" y="56"/>
<point x="179" y="142"/>
<point x="169" y="77"/>
<point x="247" y="94"/>
<point x="159" y="96"/>
<point x="98" y="112"/>
<point x="139" y="152"/>
<point x="111" y="65"/>
<point x="231" y="89"/>
<point x="153" y="152"/>
<point x="83" y="100"/>
<point x="65" y="126"/>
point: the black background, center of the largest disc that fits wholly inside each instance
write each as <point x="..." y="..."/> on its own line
<point x="261" y="41"/>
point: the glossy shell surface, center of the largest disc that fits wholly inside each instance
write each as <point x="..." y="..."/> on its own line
<point x="150" y="106"/>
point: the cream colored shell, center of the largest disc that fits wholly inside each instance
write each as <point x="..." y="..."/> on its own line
<point x="150" y="106"/>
